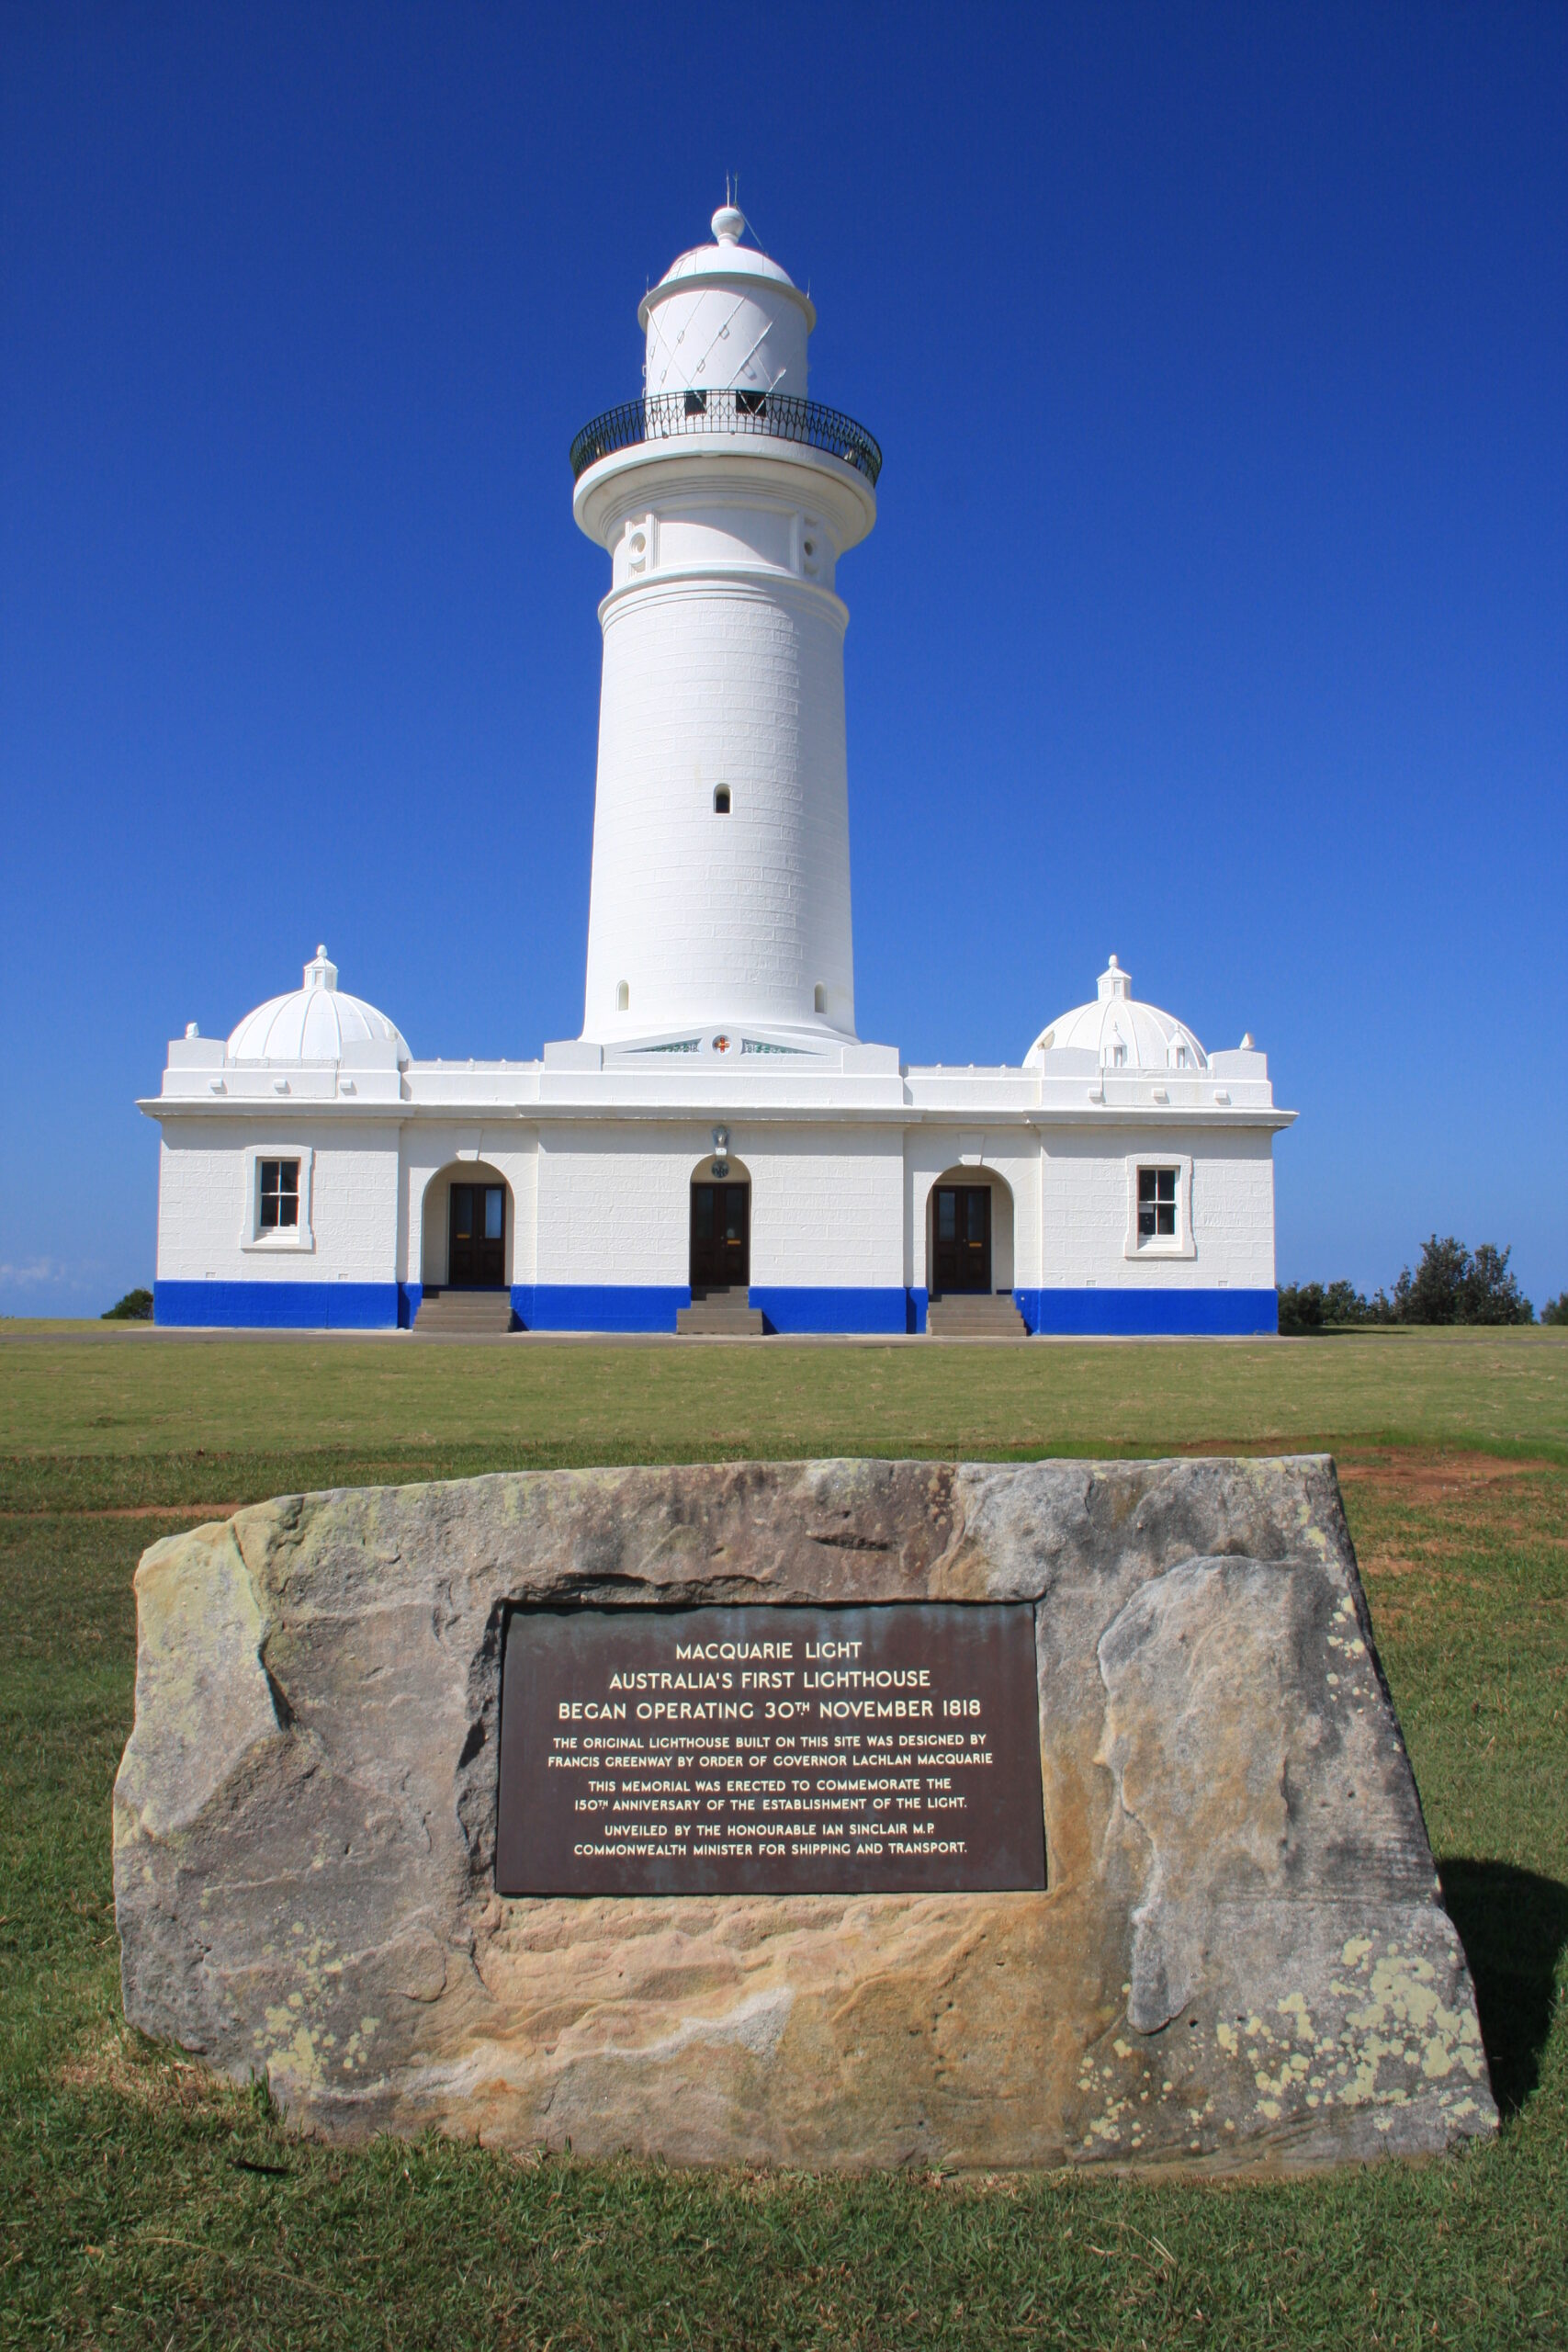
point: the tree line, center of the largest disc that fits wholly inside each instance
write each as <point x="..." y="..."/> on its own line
<point x="1449" y="1285"/>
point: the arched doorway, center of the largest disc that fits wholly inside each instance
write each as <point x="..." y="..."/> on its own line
<point x="720" y="1227"/>
<point x="468" y="1229"/>
<point x="968" y="1233"/>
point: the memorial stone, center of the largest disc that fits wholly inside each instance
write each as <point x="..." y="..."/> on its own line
<point x="829" y="1813"/>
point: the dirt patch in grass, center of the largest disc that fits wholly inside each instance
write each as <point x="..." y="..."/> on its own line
<point x="117" y="2059"/>
<point x="204" y="1511"/>
<point x="1423" y="1476"/>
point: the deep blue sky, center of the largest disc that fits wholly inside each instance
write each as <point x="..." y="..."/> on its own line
<point x="1215" y="612"/>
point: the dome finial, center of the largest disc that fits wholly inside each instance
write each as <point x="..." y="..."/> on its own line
<point x="729" y="220"/>
<point x="321" y="972"/>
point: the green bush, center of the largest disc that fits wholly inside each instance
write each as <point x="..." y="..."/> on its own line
<point x="1318" y="1306"/>
<point x="1447" y="1286"/>
<point x="1556" y="1309"/>
<point x="135" y="1307"/>
<point x="1450" y="1286"/>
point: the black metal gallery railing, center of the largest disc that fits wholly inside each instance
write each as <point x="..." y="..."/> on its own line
<point x="780" y="416"/>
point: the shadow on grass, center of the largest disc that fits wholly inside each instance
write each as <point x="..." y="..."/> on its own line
<point x="1514" y="1926"/>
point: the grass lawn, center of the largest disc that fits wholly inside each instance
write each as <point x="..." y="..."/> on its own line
<point x="140" y="2204"/>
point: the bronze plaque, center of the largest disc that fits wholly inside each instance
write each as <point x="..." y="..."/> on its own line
<point x="770" y="1751"/>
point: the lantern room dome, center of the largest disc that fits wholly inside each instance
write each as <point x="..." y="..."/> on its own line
<point x="728" y="259"/>
<point x="1121" y="1031"/>
<point x="317" y="1021"/>
<point x="726" y="318"/>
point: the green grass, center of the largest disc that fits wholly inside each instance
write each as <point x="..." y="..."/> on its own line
<point x="141" y="2205"/>
<point x="119" y="1414"/>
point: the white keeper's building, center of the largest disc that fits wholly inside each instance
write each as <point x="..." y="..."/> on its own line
<point x="718" y="1145"/>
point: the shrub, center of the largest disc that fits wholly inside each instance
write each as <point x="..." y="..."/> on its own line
<point x="1314" y="1306"/>
<point x="135" y="1307"/>
<point x="1450" y="1286"/>
<point x="1556" y="1309"/>
<point x="1447" y="1286"/>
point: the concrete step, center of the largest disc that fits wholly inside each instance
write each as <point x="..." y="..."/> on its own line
<point x="720" y="1315"/>
<point x="464" y="1313"/>
<point x="973" y="1315"/>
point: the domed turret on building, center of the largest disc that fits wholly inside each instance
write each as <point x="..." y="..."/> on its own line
<point x="317" y="1021"/>
<point x="1119" y="1031"/>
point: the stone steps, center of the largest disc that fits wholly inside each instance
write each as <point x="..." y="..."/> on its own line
<point x="975" y="1315"/>
<point x="464" y="1314"/>
<point x="720" y="1315"/>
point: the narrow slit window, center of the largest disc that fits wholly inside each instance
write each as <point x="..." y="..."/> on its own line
<point x="820" y="997"/>
<point x="623" y="996"/>
<point x="1157" y="1204"/>
<point x="279" y="1195"/>
<point x="721" y="800"/>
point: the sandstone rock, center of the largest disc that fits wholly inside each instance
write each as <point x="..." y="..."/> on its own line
<point x="1240" y="1957"/>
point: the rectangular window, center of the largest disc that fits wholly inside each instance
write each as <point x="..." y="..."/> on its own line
<point x="279" y="1195"/>
<point x="1156" y="1204"/>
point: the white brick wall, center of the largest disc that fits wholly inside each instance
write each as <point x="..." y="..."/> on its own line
<point x="203" y="1208"/>
<point x="705" y="916"/>
<point x="614" y="1204"/>
<point x="600" y="1203"/>
<point x="1084" y="1210"/>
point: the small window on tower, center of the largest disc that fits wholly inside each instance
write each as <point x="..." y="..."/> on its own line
<point x="696" y="403"/>
<point x="820" y="997"/>
<point x="751" y="403"/>
<point x="1157" y="1204"/>
<point x="721" y="799"/>
<point x="278" y="1205"/>
<point x="623" y="996"/>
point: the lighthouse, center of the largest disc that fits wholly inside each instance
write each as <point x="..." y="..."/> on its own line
<point x="725" y="498"/>
<point x="719" y="1153"/>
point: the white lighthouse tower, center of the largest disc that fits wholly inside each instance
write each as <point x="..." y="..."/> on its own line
<point x="721" y="897"/>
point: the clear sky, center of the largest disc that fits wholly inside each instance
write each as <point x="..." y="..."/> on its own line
<point x="1215" y="612"/>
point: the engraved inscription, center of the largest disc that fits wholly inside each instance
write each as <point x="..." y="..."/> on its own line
<point x="763" y="1751"/>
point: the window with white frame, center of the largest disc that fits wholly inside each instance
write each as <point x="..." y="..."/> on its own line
<point x="278" y="1195"/>
<point x="277" y="1199"/>
<point x="1157" y="1204"/>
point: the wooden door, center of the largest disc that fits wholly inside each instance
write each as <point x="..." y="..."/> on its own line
<point x="721" y="1237"/>
<point x="960" y="1238"/>
<point x="477" y="1243"/>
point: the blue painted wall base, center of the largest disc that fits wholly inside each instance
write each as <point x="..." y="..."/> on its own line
<point x="798" y="1310"/>
<point x="1149" y="1314"/>
<point x="599" y="1306"/>
<point x="789" y="1310"/>
<point x="279" y="1305"/>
